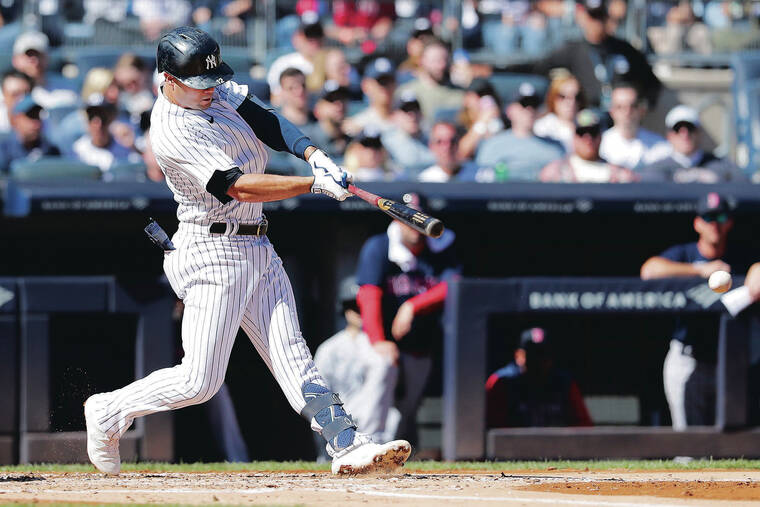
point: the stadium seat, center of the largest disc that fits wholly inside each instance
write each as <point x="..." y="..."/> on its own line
<point x="126" y="172"/>
<point x="47" y="168"/>
<point x="507" y="83"/>
<point x="106" y="56"/>
<point x="57" y="114"/>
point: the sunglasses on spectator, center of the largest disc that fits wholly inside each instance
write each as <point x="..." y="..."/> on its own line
<point x="573" y="97"/>
<point x="533" y="102"/>
<point x="443" y="140"/>
<point x="593" y="131"/>
<point x="721" y="218"/>
<point x="386" y="80"/>
<point x="685" y="124"/>
<point x="32" y="52"/>
<point x="371" y="142"/>
<point x="410" y="107"/>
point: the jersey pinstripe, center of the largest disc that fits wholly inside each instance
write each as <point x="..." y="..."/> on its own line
<point x="226" y="281"/>
<point x="190" y="145"/>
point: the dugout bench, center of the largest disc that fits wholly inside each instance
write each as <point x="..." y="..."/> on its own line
<point x="35" y="399"/>
<point x="471" y="302"/>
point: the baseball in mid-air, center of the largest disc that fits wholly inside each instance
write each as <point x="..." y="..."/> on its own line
<point x="720" y="281"/>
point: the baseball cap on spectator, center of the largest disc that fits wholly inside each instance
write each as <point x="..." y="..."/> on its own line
<point x="332" y="91"/>
<point x="712" y="205"/>
<point x="587" y="122"/>
<point x="310" y="25"/>
<point x="533" y="336"/>
<point x="347" y="292"/>
<point x="31" y="40"/>
<point x="482" y="87"/>
<point x="408" y="102"/>
<point x="682" y="114"/>
<point x="527" y="95"/>
<point x="422" y="26"/>
<point x="26" y="105"/>
<point x="370" y="137"/>
<point x="96" y="105"/>
<point x="380" y="68"/>
<point x="597" y="9"/>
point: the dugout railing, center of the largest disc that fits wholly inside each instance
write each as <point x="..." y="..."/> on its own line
<point x="470" y="304"/>
<point x="52" y="357"/>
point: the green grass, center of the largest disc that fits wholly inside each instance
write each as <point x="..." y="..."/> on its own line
<point x="413" y="466"/>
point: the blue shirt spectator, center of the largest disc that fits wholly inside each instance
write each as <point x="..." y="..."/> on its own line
<point x="26" y="141"/>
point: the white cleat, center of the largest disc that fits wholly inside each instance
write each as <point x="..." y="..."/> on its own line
<point x="371" y="458"/>
<point x="103" y="451"/>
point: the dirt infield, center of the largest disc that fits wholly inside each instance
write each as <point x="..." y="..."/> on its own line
<point x="612" y="489"/>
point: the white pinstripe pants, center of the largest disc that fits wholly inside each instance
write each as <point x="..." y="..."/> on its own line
<point x="226" y="282"/>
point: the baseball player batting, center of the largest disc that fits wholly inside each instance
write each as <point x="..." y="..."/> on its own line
<point x="208" y="136"/>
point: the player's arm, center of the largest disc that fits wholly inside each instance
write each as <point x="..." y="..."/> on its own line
<point x="268" y="187"/>
<point x="661" y="267"/>
<point x="275" y="130"/>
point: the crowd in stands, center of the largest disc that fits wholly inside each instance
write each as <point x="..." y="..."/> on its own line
<point x="408" y="108"/>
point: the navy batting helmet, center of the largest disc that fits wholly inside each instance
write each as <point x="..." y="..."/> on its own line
<point x="192" y="56"/>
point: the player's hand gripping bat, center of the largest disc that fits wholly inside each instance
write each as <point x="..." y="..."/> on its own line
<point x="427" y="225"/>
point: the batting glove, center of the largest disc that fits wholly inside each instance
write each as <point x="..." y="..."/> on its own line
<point x="329" y="179"/>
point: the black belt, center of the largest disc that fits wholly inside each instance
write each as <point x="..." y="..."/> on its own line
<point x="242" y="230"/>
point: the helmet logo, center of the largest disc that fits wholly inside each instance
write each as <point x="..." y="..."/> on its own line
<point x="210" y="62"/>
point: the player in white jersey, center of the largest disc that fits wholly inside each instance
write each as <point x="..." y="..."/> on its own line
<point x="207" y="133"/>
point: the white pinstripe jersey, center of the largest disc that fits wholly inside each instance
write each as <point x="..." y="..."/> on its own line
<point x="191" y="144"/>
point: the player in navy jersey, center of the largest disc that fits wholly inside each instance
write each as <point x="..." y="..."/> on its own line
<point x="402" y="277"/>
<point x="689" y="369"/>
<point x="208" y="137"/>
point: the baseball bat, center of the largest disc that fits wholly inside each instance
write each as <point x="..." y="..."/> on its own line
<point x="427" y="225"/>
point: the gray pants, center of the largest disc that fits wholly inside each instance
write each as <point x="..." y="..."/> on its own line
<point x="689" y="388"/>
<point x="413" y="377"/>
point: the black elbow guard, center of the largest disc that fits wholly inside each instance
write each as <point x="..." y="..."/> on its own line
<point x="221" y="181"/>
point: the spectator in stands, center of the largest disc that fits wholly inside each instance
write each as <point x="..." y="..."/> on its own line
<point x="403" y="281"/>
<point x="98" y="85"/>
<point x="627" y="144"/>
<point x="14" y="85"/>
<point x="689" y="368"/>
<point x="30" y="56"/>
<point x="364" y="377"/>
<point x="98" y="146"/>
<point x="520" y="27"/>
<point x="432" y="86"/>
<point x="407" y="144"/>
<point x="681" y="32"/>
<point x="532" y="391"/>
<point x="409" y="68"/>
<point x="294" y="101"/>
<point x="443" y="144"/>
<point x="158" y="16"/>
<point x="308" y="57"/>
<point x="681" y="160"/>
<point x="330" y="111"/>
<point x="131" y="77"/>
<point x="599" y="59"/>
<point x="517" y="153"/>
<point x="222" y="16"/>
<point x="378" y="84"/>
<point x="481" y="115"/>
<point x="339" y="70"/>
<point x="358" y="21"/>
<point x="564" y="99"/>
<point x="583" y="164"/>
<point x="27" y="141"/>
<point x="367" y="160"/>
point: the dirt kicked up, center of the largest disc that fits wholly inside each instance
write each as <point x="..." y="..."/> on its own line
<point x="613" y="489"/>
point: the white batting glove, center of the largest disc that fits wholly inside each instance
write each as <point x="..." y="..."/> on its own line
<point x="329" y="179"/>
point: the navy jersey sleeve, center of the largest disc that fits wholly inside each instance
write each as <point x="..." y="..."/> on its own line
<point x="272" y="128"/>
<point x="676" y="253"/>
<point x="372" y="261"/>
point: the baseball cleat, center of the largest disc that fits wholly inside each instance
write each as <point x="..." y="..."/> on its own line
<point x="103" y="451"/>
<point x="373" y="458"/>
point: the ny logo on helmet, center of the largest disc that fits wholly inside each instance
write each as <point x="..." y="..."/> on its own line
<point x="210" y="62"/>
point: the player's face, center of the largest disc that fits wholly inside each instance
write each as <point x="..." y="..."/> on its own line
<point x="187" y="97"/>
